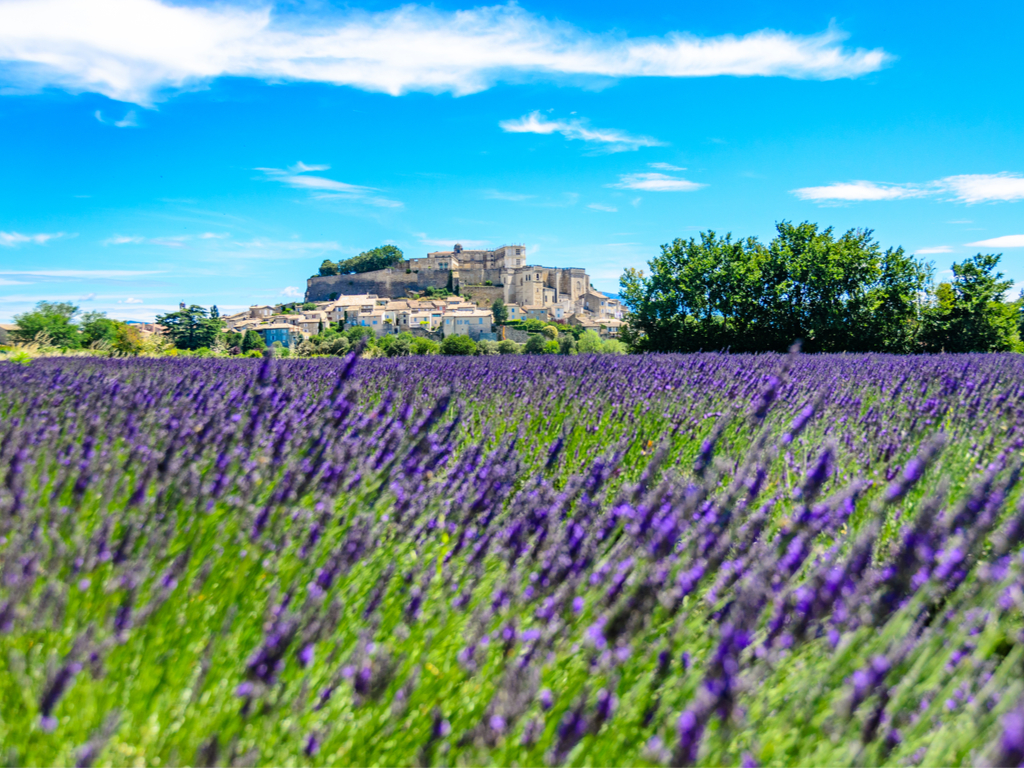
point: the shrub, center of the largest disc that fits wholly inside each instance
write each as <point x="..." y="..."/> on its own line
<point x="509" y="347"/>
<point x="535" y="344"/>
<point x="423" y="346"/>
<point x="486" y="347"/>
<point x="458" y="345"/>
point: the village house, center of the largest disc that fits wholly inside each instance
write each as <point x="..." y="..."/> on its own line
<point x="470" y="323"/>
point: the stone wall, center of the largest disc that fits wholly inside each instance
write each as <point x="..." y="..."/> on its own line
<point x="483" y="296"/>
<point x="386" y="283"/>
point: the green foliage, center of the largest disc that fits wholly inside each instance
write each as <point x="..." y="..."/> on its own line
<point x="567" y="345"/>
<point x="359" y="333"/>
<point x="589" y="343"/>
<point x="253" y="342"/>
<point x="96" y="327"/>
<point x="309" y="306"/>
<point x="551" y="347"/>
<point x="500" y="312"/>
<point x="833" y="293"/>
<point x="436" y="293"/>
<point x="127" y="341"/>
<point x="550" y="331"/>
<point x="487" y="347"/>
<point x="191" y="328"/>
<point x="509" y="347"/>
<point x="381" y="257"/>
<point x="535" y="344"/>
<point x="424" y="346"/>
<point x="969" y="314"/>
<point x="232" y="339"/>
<point x="458" y="345"/>
<point x="397" y="346"/>
<point x="53" y="320"/>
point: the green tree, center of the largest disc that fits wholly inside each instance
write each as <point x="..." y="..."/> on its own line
<point x="96" y="327"/>
<point x="328" y="268"/>
<point x="381" y="257"/>
<point x="589" y="343"/>
<point x="127" y="340"/>
<point x="54" y="319"/>
<point x="425" y="346"/>
<point x="969" y="314"/>
<point x="191" y="328"/>
<point x="487" y="347"/>
<point x="535" y="344"/>
<point x="834" y="293"/>
<point x="214" y="312"/>
<point x="567" y="345"/>
<point x="508" y="347"/>
<point x="458" y="344"/>
<point x="500" y="312"/>
<point x="253" y="342"/>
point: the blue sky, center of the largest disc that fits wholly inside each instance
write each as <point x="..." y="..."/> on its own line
<point x="156" y="152"/>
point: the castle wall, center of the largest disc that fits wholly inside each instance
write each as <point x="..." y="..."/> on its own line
<point x="483" y="295"/>
<point x="390" y="283"/>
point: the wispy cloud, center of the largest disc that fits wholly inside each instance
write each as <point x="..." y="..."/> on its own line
<point x="857" y="191"/>
<point x="984" y="187"/>
<point x="88" y="297"/>
<point x="656" y="182"/>
<point x="261" y="244"/>
<point x="130" y="300"/>
<point x="176" y="241"/>
<point x="135" y="50"/>
<point x="967" y="188"/>
<point x="123" y="240"/>
<point x="13" y="239"/>
<point x="608" y="139"/>
<point x="665" y="167"/>
<point x="83" y="274"/>
<point x="935" y="249"/>
<point x="600" y="207"/>
<point x="128" y="121"/>
<point x="322" y="188"/>
<point x="292" y="291"/>
<point x="1006" y="241"/>
<point x="214" y="235"/>
<point x="497" y="194"/>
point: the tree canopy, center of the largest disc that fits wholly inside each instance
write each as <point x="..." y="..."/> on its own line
<point x="381" y="257"/>
<point x="834" y="293"/>
<point x="191" y="328"/>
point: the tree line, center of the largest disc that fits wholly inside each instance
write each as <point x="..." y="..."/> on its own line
<point x="381" y="257"/>
<point x="833" y="293"/>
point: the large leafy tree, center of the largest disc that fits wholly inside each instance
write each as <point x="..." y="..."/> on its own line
<point x="833" y="293"/>
<point x="191" y="328"/>
<point x="54" y="320"/>
<point x="969" y="314"/>
<point x="96" y="327"/>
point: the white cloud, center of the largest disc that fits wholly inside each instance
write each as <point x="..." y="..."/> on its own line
<point x="935" y="249"/>
<point x="130" y="301"/>
<point x="289" y="245"/>
<point x="128" y="121"/>
<point x="611" y="139"/>
<point x="122" y="240"/>
<point x="1006" y="241"/>
<point x="984" y="187"/>
<point x="665" y="167"/>
<point x="324" y="188"/>
<point x="132" y="50"/>
<point x="967" y="188"/>
<point x="292" y="292"/>
<point x="497" y="194"/>
<point x="88" y="297"/>
<point x="214" y="235"/>
<point x="12" y="239"/>
<point x="599" y="207"/>
<point x="83" y="274"/>
<point x="857" y="191"/>
<point x="656" y="182"/>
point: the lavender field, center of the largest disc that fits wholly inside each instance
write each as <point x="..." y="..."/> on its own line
<point x="648" y="560"/>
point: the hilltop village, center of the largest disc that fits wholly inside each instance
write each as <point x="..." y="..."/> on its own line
<point x="443" y="294"/>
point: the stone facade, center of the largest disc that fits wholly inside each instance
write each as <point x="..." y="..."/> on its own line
<point x="391" y="283"/>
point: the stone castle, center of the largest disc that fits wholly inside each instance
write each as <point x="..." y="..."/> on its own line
<point x="485" y="275"/>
